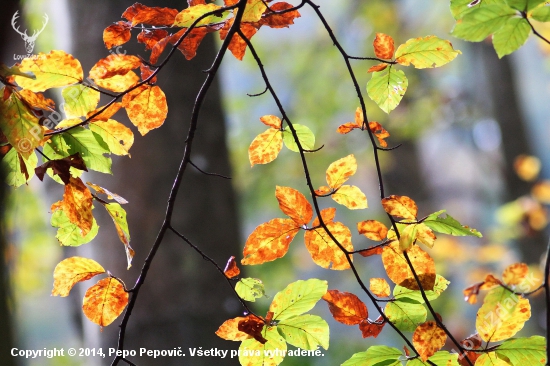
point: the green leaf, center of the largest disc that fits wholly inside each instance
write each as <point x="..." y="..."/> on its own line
<point x="402" y="293"/>
<point x="459" y="8"/>
<point x="523" y="351"/>
<point x="297" y="298"/>
<point x="305" y="136"/>
<point x="253" y="353"/>
<point x="118" y="214"/>
<point x="90" y="146"/>
<point x="305" y="331"/>
<point x="79" y="100"/>
<point x="19" y="125"/>
<point x="387" y="88"/>
<point x="542" y="14"/>
<point x="441" y="358"/>
<point x="426" y="52"/>
<point x="511" y="37"/>
<point x="405" y="315"/>
<point x="11" y="164"/>
<point x="524" y="5"/>
<point x="479" y="24"/>
<point x="68" y="233"/>
<point x="448" y="225"/>
<point x="186" y="17"/>
<point x="250" y="289"/>
<point x="376" y="356"/>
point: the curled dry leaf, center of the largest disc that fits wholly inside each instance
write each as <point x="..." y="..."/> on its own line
<point x="72" y="270"/>
<point x="105" y="301"/>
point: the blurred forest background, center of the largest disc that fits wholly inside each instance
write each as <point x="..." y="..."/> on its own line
<point x="461" y="127"/>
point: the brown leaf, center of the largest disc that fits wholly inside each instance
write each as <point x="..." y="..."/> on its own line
<point x="157" y="50"/>
<point x="383" y="46"/>
<point x="188" y="47"/>
<point x="146" y="72"/>
<point x="231" y="270"/>
<point x="345" y="307"/>
<point x="252" y="325"/>
<point x="61" y="167"/>
<point x="139" y="13"/>
<point x="274" y="20"/>
<point x="399" y="272"/>
<point x="372" y="329"/>
<point x="117" y="34"/>
<point x="105" y="301"/>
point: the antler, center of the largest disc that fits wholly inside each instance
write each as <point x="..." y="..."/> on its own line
<point x="13" y="19"/>
<point x="36" y="33"/>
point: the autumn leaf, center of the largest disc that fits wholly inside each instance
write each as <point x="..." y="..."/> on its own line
<point x="61" y="167"/>
<point x="139" y="13"/>
<point x="426" y="52"/>
<point x="253" y="326"/>
<point x="51" y="70"/>
<point x="379" y="132"/>
<point x="104" y="113"/>
<point x="77" y="205"/>
<point x="188" y="47"/>
<point x="350" y="196"/>
<point x="269" y="241"/>
<point x="349" y="126"/>
<point x="229" y="330"/>
<point x="118" y="214"/>
<point x="377" y="68"/>
<point x="113" y="65"/>
<point x="387" y="88"/>
<point x="515" y="273"/>
<point x="274" y="20"/>
<point x="36" y="100"/>
<point x="471" y="292"/>
<point x="339" y="171"/>
<point x="271" y="121"/>
<point x="294" y="204"/>
<point x="428" y="338"/>
<point x="110" y="195"/>
<point x="297" y="298"/>
<point x="379" y="287"/>
<point x="105" y="301"/>
<point x="400" y="206"/>
<point x="372" y="229"/>
<point x="254" y="353"/>
<point x="117" y="34"/>
<point x="237" y="45"/>
<point x="250" y="289"/>
<point x="265" y="147"/>
<point x="150" y="37"/>
<point x="254" y="10"/>
<point x="370" y="328"/>
<point x="375" y="250"/>
<point x="79" y="100"/>
<point x="146" y="107"/>
<point x="231" y="269"/>
<point x="305" y="331"/>
<point x="72" y="270"/>
<point x="323" y="249"/>
<point x="18" y="169"/>
<point x="118" y="83"/>
<point x="187" y="17"/>
<point x="346" y="307"/>
<point x="383" y="46"/>
<point x="399" y="272"/>
<point x="118" y="137"/>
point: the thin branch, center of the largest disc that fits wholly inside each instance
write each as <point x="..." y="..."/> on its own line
<point x="547" y="296"/>
<point x="206" y="173"/>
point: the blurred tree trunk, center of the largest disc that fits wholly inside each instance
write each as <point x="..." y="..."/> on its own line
<point x="184" y="299"/>
<point x="6" y="334"/>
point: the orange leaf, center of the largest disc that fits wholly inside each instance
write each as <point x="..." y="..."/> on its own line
<point x="150" y="37"/>
<point x="252" y="325"/>
<point x="350" y="196"/>
<point x="157" y="49"/>
<point x="339" y="171"/>
<point x="269" y="241"/>
<point x="294" y="204"/>
<point x="345" y="307"/>
<point x="237" y="46"/>
<point x="323" y="191"/>
<point x="72" y="270"/>
<point x="265" y="147"/>
<point x="231" y="270"/>
<point x="146" y="107"/>
<point x="274" y="20"/>
<point x="77" y="205"/>
<point x="229" y="330"/>
<point x="379" y="287"/>
<point x="378" y="67"/>
<point x="515" y="273"/>
<point x="146" y="72"/>
<point x="323" y="249"/>
<point x="191" y="42"/>
<point x="271" y="121"/>
<point x="376" y="250"/>
<point x="36" y="100"/>
<point x="114" y="65"/>
<point x="105" y="301"/>
<point x="117" y="34"/>
<point x="139" y="13"/>
<point x="399" y="272"/>
<point x="372" y="329"/>
<point x="106" y="114"/>
<point x="372" y="229"/>
<point x="327" y="214"/>
<point x="470" y="293"/>
<point x="400" y="206"/>
<point x="428" y="338"/>
<point x="383" y="46"/>
<point x="380" y="133"/>
<point x="347" y="127"/>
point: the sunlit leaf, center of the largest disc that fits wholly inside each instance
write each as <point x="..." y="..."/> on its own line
<point x="339" y="171"/>
<point x="379" y="287"/>
<point x="400" y="206"/>
<point x="387" y="88"/>
<point x="428" y="338"/>
<point x="72" y="270"/>
<point x="350" y="196"/>
<point x="323" y="249"/>
<point x="146" y="107"/>
<point x="254" y="353"/>
<point x="51" y="70"/>
<point x="77" y="205"/>
<point x="284" y="20"/>
<point x="36" y="100"/>
<point x="406" y="315"/>
<point x="511" y="36"/>
<point x="372" y="229"/>
<point x="523" y="351"/>
<point x="139" y="13"/>
<point x="237" y="46"/>
<point x="305" y="331"/>
<point x="408" y="236"/>
<point x="15" y="165"/>
<point x="480" y="23"/>
<point x="117" y="34"/>
<point x="104" y="114"/>
<point x="118" y="214"/>
<point x="542" y="14"/>
<point x="186" y="17"/>
<point x="345" y="307"/>
<point x="110" y="195"/>
<point x="118" y="137"/>
<point x="441" y="285"/>
<point x="231" y="269"/>
<point x="440" y="358"/>
<point x="250" y="289"/>
<point x="265" y="147"/>
<point x="383" y="46"/>
<point x="515" y="273"/>
<point x="379" y="132"/>
<point x="490" y="359"/>
<point x="426" y="52"/>
<point x="399" y="272"/>
<point x="269" y="241"/>
<point x="116" y="64"/>
<point x="425" y="235"/>
<point x="297" y="298"/>
<point x="294" y="204"/>
<point x="229" y="330"/>
<point x="448" y="225"/>
<point x="376" y="355"/>
<point x="119" y="83"/>
<point x="470" y="293"/>
<point x="105" y="301"/>
<point x="254" y="10"/>
<point x="305" y="136"/>
<point x="502" y="315"/>
<point x="524" y="5"/>
<point x="69" y="234"/>
<point x="376" y="68"/>
<point x="271" y="121"/>
<point x="79" y="100"/>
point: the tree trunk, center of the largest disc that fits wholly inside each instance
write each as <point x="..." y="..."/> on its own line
<point x="184" y="299"/>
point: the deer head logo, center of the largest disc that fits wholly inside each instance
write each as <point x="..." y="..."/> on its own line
<point x="29" y="40"/>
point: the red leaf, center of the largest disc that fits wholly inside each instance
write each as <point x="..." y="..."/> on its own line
<point x="237" y="46"/>
<point x="139" y="13"/>
<point x="345" y="307"/>
<point x="192" y="41"/>
<point x="274" y="20"/>
<point x="150" y="37"/>
<point x="117" y="34"/>
<point x="231" y="270"/>
<point x="372" y="329"/>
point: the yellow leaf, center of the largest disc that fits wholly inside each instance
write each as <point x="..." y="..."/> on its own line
<point x="54" y="69"/>
<point x="372" y="229"/>
<point x="339" y="171"/>
<point x="428" y="338"/>
<point x="72" y="270"/>
<point x="400" y="206"/>
<point x="105" y="301"/>
<point x="425" y="235"/>
<point x="379" y="287"/>
<point x="515" y="273"/>
<point x="351" y="197"/>
<point x="271" y="121"/>
<point x="146" y="107"/>
<point x="426" y="52"/>
<point x="116" y="64"/>
<point x="265" y="147"/>
<point x="119" y="83"/>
